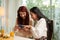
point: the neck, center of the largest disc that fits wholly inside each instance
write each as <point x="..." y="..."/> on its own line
<point x="37" y="19"/>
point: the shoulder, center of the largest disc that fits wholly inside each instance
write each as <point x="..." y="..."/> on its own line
<point x="42" y="19"/>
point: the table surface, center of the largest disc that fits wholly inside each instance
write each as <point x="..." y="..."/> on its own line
<point x="21" y="38"/>
<point x="16" y="38"/>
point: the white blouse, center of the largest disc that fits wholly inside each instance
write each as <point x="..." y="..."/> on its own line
<point x="40" y="29"/>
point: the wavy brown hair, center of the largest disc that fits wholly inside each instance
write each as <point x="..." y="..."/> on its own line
<point x="20" y="19"/>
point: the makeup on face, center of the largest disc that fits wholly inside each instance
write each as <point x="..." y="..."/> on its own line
<point x="33" y="15"/>
<point x="22" y="14"/>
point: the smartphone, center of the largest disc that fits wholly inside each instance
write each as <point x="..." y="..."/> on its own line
<point x="21" y="26"/>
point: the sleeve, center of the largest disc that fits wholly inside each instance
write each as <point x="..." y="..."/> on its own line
<point x="40" y="29"/>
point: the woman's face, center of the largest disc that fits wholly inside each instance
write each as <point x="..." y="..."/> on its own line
<point x="22" y="14"/>
<point x="33" y="15"/>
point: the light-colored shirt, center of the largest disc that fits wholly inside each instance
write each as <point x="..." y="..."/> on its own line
<point x="40" y="29"/>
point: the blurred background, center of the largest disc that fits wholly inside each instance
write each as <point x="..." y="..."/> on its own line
<point x="50" y="8"/>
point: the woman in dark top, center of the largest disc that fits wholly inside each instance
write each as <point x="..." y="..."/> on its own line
<point x="23" y="20"/>
<point x="23" y="16"/>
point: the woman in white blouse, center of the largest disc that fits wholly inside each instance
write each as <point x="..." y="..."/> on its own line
<point x="39" y="30"/>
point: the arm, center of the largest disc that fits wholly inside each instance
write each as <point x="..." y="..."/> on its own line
<point x="30" y="22"/>
<point x="40" y="29"/>
<point x="16" y="26"/>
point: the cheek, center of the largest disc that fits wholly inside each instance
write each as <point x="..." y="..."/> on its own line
<point x="20" y="15"/>
<point x="24" y="14"/>
<point x="33" y="16"/>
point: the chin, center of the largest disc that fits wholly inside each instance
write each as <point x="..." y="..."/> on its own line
<point x="23" y="17"/>
<point x="33" y="19"/>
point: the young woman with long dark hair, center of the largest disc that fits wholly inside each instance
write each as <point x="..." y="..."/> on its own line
<point x="23" y="19"/>
<point x="39" y="30"/>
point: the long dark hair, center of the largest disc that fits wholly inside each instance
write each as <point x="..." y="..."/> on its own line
<point x="39" y="14"/>
<point x="19" y="19"/>
<point x="49" y="22"/>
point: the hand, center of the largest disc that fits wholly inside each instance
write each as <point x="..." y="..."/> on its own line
<point x="17" y="27"/>
<point x="27" y="27"/>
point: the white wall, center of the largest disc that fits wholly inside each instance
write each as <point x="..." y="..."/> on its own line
<point x="11" y="7"/>
<point x="12" y="13"/>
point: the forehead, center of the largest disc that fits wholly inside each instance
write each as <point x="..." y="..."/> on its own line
<point x="22" y="12"/>
<point x="32" y="13"/>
